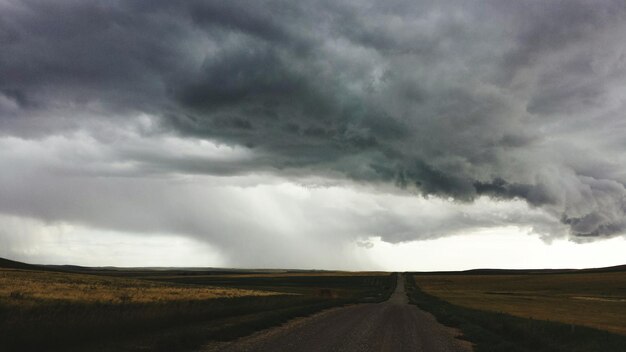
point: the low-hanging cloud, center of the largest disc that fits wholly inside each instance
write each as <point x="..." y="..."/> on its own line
<point x="252" y="220"/>
<point x="456" y="99"/>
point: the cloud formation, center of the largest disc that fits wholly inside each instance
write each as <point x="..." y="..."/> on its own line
<point x="253" y="220"/>
<point x="452" y="99"/>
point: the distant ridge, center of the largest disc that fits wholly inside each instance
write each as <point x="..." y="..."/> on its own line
<point x="609" y="269"/>
<point x="604" y="270"/>
<point x="11" y="264"/>
<point x="141" y="271"/>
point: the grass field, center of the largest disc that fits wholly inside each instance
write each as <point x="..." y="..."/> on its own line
<point x="596" y="300"/>
<point x="167" y="310"/>
<point x="20" y="287"/>
<point x="538" y="312"/>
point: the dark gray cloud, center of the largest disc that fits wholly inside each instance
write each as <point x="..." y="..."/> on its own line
<point x="455" y="99"/>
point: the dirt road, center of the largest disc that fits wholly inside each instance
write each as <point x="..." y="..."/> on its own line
<point x="390" y="326"/>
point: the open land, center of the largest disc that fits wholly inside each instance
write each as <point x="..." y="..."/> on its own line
<point x="69" y="308"/>
<point x="529" y="311"/>
<point x="74" y="308"/>
<point x="596" y="300"/>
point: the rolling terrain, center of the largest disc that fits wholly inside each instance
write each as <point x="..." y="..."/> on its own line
<point x="62" y="308"/>
<point x="596" y="300"/>
<point x="73" y="308"/>
<point x="529" y="310"/>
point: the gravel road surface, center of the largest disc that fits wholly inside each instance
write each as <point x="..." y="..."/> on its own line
<point x="393" y="326"/>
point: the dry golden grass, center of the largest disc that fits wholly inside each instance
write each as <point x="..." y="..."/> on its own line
<point x="596" y="300"/>
<point x="23" y="287"/>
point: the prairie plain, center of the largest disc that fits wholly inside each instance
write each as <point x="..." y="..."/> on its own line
<point x="22" y="287"/>
<point x="596" y="300"/>
<point x="107" y="309"/>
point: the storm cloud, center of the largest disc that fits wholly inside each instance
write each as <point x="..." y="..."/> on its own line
<point x="458" y="100"/>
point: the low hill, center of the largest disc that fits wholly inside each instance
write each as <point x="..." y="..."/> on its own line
<point x="609" y="269"/>
<point x="11" y="264"/>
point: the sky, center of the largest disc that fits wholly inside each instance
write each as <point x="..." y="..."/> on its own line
<point x="356" y="135"/>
